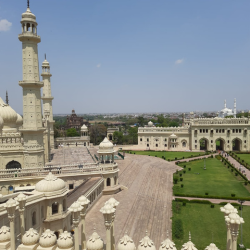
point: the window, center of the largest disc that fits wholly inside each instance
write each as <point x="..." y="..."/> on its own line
<point x="195" y="146"/>
<point x="156" y="145"/>
<point x="71" y="186"/>
<point x="147" y="139"/>
<point x="245" y="141"/>
<point x="165" y="145"/>
<point x="184" y="144"/>
<point x="200" y="130"/>
<point x="211" y="141"/>
<point x="233" y="130"/>
<point x="228" y="131"/>
<point x="216" y="130"/>
<point x="228" y="141"/>
<point x="55" y="208"/>
<point x="34" y="218"/>
<point x="236" y="130"/>
<point x="140" y="139"/>
<point x="206" y="130"/>
<point x="147" y="145"/>
<point x="239" y="130"/>
<point x="212" y="131"/>
<point x="195" y="141"/>
<point x="223" y="130"/>
<point x="108" y="182"/>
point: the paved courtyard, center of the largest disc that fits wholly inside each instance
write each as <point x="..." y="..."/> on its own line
<point x="145" y="205"/>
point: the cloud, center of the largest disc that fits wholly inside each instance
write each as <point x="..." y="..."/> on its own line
<point x="98" y="65"/>
<point x="5" y="25"/>
<point x="179" y="61"/>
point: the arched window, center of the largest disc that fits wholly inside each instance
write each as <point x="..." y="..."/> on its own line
<point x="184" y="144"/>
<point x="13" y="164"/>
<point x="108" y="182"/>
<point x="34" y="218"/>
<point x="11" y="188"/>
<point x="64" y="205"/>
<point x="55" y="208"/>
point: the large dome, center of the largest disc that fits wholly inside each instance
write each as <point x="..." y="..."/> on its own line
<point x="50" y="184"/>
<point x="8" y="114"/>
<point x="106" y="146"/>
<point x="19" y="121"/>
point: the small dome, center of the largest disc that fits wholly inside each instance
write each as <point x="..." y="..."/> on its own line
<point x="212" y="246"/>
<point x="82" y="200"/>
<point x="146" y="244"/>
<point x="75" y="207"/>
<point x="4" y="234"/>
<point x="94" y="242"/>
<point x="8" y="114"/>
<point x="189" y="245"/>
<point x="28" y="16"/>
<point x="45" y="63"/>
<point x="84" y="128"/>
<point x="50" y="184"/>
<point x="65" y="240"/>
<point x="173" y="136"/>
<point x="107" y="209"/>
<point x="228" y="208"/>
<point x="19" y="121"/>
<point x="113" y="202"/>
<point x="31" y="237"/>
<point x="234" y="218"/>
<point x="11" y="203"/>
<point x="150" y="124"/>
<point x="47" y="239"/>
<point x="106" y="146"/>
<point x="167" y="244"/>
<point x="126" y="243"/>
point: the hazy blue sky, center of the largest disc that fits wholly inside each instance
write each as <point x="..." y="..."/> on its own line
<point x="133" y="55"/>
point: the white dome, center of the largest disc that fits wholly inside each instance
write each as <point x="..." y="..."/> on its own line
<point x="228" y="208"/>
<point x="113" y="202"/>
<point x="146" y="244"/>
<point x="65" y="240"/>
<point x="150" y="124"/>
<point x="82" y="200"/>
<point x="8" y="114"/>
<point x="94" y="242"/>
<point x="212" y="246"/>
<point x="28" y="16"/>
<point x="31" y="237"/>
<point x="234" y="218"/>
<point x="84" y="128"/>
<point x="47" y="239"/>
<point x="4" y="234"/>
<point x="189" y="245"/>
<point x="106" y="146"/>
<point x="107" y="209"/>
<point x="45" y="63"/>
<point x="167" y="244"/>
<point x="19" y="121"/>
<point x="126" y="243"/>
<point x="50" y="184"/>
<point x="173" y="136"/>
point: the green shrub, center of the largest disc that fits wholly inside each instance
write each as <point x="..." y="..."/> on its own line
<point x="175" y="158"/>
<point x="212" y="156"/>
<point x="245" y="183"/>
<point x="178" y="229"/>
<point x="189" y="169"/>
<point x="236" y="174"/>
<point x="232" y="169"/>
<point x="181" y="179"/>
<point x="212" y="205"/>
<point x="182" y="185"/>
<point x="180" y="174"/>
<point x="200" y="201"/>
<point x="175" y="179"/>
<point x="206" y="193"/>
<point x="184" y="171"/>
<point x="184" y="204"/>
<point x="233" y="195"/>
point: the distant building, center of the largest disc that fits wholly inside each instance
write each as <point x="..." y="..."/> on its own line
<point x="226" y="111"/>
<point x="74" y="121"/>
<point x="110" y="132"/>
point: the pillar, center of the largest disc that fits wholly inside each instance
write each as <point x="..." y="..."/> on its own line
<point x="21" y="198"/>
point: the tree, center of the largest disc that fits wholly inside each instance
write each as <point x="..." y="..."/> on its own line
<point x="71" y="132"/>
<point x="173" y="124"/>
<point x="141" y="121"/>
<point x="118" y="137"/>
<point x="97" y="133"/>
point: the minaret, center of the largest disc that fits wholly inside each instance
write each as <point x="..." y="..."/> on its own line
<point x="234" y="107"/>
<point x="47" y="99"/>
<point x="32" y="128"/>
<point x="225" y="104"/>
<point x="7" y="98"/>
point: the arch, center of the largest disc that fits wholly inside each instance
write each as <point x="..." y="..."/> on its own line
<point x="57" y="234"/>
<point x="28" y="185"/>
<point x="184" y="143"/>
<point x="55" y="208"/>
<point x="13" y="164"/>
<point x="220" y="144"/>
<point x="21" y="185"/>
<point x="11" y="188"/>
<point x="64" y="205"/>
<point x="236" y="144"/>
<point x="108" y="182"/>
<point x="203" y="144"/>
<point x="115" y="179"/>
<point x="110" y="137"/>
<point x="34" y="218"/>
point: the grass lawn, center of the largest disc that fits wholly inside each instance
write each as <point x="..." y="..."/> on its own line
<point x="207" y="224"/>
<point x="168" y="154"/>
<point x="216" y="180"/>
<point x="245" y="157"/>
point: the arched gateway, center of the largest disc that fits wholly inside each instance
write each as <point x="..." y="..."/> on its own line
<point x="203" y="144"/>
<point x="13" y="164"/>
<point x="236" y="145"/>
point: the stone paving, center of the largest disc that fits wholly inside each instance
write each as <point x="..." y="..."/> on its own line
<point x="145" y="205"/>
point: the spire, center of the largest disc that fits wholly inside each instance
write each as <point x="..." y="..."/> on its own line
<point x="225" y="104"/>
<point x="7" y="98"/>
<point x="28" y="4"/>
<point x="45" y="56"/>
<point x="189" y="236"/>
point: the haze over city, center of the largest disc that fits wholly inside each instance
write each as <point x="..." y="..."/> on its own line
<point x="133" y="56"/>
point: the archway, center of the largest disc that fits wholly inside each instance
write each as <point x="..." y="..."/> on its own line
<point x="236" y="144"/>
<point x="13" y="164"/>
<point x="110" y="137"/>
<point x="108" y="182"/>
<point x="219" y="144"/>
<point x="203" y="144"/>
<point x="55" y="208"/>
<point x="57" y="234"/>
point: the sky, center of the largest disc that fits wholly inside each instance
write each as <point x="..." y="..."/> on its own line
<point x="128" y="56"/>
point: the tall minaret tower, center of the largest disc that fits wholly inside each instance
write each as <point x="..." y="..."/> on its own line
<point x="32" y="128"/>
<point x="47" y="100"/>
<point x="234" y="107"/>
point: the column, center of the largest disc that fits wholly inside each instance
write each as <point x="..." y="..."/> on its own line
<point x="108" y="213"/>
<point x="10" y="206"/>
<point x="21" y="198"/>
<point x="84" y="202"/>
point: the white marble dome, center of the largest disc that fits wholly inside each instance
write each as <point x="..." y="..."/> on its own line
<point x="126" y="243"/>
<point x="28" y="16"/>
<point x="212" y="246"/>
<point x="8" y="114"/>
<point x="150" y="124"/>
<point x="146" y="244"/>
<point x="4" y="234"/>
<point x="173" y="136"/>
<point x="47" y="239"/>
<point x="19" y="121"/>
<point x="95" y="242"/>
<point x="84" y="128"/>
<point x="65" y="240"/>
<point x="45" y="63"/>
<point x="106" y="146"/>
<point x="31" y="237"/>
<point x="50" y="184"/>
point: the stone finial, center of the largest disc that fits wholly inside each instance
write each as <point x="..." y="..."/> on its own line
<point x="234" y="218"/>
<point x="167" y="244"/>
<point x="4" y="234"/>
<point x="94" y="242"/>
<point x="31" y="237"/>
<point x="75" y="207"/>
<point x="83" y="200"/>
<point x="189" y="245"/>
<point x="113" y="202"/>
<point x="126" y="243"/>
<point x="65" y="240"/>
<point x="212" y="246"/>
<point x="10" y="206"/>
<point x="228" y="208"/>
<point x="146" y="243"/>
<point x="107" y="209"/>
<point x="48" y="239"/>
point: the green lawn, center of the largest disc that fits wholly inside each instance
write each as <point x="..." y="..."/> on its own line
<point x="207" y="224"/>
<point x="216" y="180"/>
<point x="245" y="157"/>
<point x="168" y="154"/>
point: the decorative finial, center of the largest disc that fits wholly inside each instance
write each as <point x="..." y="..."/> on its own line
<point x="45" y="56"/>
<point x="189" y="236"/>
<point x="7" y="98"/>
<point x="167" y="233"/>
<point x="94" y="228"/>
<point x="146" y="232"/>
<point x="28" y="4"/>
